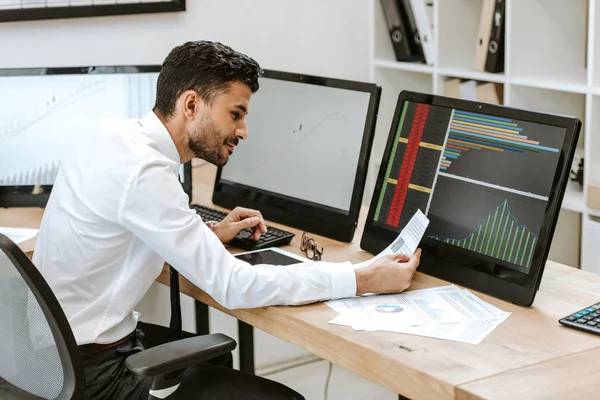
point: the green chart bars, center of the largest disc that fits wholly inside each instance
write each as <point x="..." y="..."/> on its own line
<point x="500" y="236"/>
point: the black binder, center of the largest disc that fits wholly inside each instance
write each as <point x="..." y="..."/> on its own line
<point x="411" y="27"/>
<point x="494" y="61"/>
<point x="397" y="29"/>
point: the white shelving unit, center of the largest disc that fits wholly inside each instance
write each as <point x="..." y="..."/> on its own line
<point x="552" y="63"/>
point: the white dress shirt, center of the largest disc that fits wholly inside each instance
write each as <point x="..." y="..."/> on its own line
<point x="118" y="211"/>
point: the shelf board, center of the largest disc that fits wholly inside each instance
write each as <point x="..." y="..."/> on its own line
<point x="469" y="74"/>
<point x="573" y="199"/>
<point x="594" y="212"/>
<point x="565" y="82"/>
<point x="405" y="66"/>
<point x="449" y="72"/>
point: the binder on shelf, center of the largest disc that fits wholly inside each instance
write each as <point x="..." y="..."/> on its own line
<point x="485" y="31"/>
<point x="593" y="195"/>
<point x="397" y="29"/>
<point x="452" y="88"/>
<point x="494" y="61"/>
<point x="422" y="10"/>
<point x="413" y="29"/>
<point x="490" y="92"/>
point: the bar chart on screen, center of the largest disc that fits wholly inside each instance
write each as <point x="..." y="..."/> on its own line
<point x="463" y="169"/>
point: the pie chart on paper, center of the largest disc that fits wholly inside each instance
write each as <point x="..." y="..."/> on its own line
<point x="389" y="308"/>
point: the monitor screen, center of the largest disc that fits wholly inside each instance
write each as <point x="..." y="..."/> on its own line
<point x="483" y="181"/>
<point x="303" y="142"/>
<point x="45" y="111"/>
<point x="491" y="180"/>
<point x="309" y="140"/>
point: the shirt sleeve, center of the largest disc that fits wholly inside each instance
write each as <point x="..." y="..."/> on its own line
<point x="155" y="209"/>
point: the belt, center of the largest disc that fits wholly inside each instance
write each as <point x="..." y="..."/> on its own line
<point x="90" y="349"/>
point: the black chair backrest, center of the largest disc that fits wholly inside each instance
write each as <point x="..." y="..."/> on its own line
<point x="38" y="352"/>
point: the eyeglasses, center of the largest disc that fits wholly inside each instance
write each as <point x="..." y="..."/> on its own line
<point x="309" y="247"/>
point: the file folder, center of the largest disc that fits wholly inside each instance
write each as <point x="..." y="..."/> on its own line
<point x="397" y="30"/>
<point x="413" y="29"/>
<point x="495" y="56"/>
<point x="421" y="10"/>
<point x="485" y="31"/>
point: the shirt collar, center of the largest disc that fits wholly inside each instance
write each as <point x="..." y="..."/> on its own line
<point x="159" y="132"/>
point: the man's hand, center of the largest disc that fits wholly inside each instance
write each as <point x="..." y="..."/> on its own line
<point x="238" y="219"/>
<point x="390" y="274"/>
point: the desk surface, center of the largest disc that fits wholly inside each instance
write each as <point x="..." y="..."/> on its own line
<point x="528" y="355"/>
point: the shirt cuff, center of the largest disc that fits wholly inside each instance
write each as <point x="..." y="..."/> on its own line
<point x="343" y="281"/>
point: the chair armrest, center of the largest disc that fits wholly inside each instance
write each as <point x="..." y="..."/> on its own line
<point x="180" y="354"/>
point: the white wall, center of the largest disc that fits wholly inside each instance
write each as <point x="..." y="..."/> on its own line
<point x="322" y="37"/>
<point x="328" y="37"/>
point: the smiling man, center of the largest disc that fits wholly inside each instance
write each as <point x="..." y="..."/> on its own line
<point x="117" y="212"/>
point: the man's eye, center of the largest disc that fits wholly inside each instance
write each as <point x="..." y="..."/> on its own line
<point x="236" y="115"/>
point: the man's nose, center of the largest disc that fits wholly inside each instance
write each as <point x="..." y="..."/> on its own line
<point x="242" y="132"/>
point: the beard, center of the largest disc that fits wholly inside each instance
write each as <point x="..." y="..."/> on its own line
<point x="207" y="143"/>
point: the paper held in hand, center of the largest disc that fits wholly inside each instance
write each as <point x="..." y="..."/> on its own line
<point x="407" y="241"/>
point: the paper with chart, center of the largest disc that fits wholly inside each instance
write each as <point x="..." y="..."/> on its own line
<point x="446" y="312"/>
<point x="18" y="235"/>
<point x="407" y="241"/>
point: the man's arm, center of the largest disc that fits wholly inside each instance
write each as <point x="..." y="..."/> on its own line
<point x="390" y="274"/>
<point x="175" y="232"/>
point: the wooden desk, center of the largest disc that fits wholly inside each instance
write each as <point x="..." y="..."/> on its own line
<point x="570" y="377"/>
<point x="528" y="355"/>
<point x="426" y="368"/>
<point x="530" y="340"/>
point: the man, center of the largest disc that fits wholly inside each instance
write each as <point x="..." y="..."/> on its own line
<point x="117" y="212"/>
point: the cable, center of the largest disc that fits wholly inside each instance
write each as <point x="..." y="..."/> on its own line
<point x="327" y="381"/>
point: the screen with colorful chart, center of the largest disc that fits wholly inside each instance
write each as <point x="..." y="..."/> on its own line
<point x="483" y="181"/>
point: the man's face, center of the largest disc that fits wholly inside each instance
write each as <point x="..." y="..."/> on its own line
<point x="217" y="129"/>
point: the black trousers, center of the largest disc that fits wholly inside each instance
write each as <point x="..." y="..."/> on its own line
<point x="108" y="378"/>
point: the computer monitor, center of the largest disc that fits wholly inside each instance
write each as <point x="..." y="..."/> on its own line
<point x="305" y="160"/>
<point x="44" y="111"/>
<point x="491" y="181"/>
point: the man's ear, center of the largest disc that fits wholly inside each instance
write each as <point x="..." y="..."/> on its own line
<point x="192" y="103"/>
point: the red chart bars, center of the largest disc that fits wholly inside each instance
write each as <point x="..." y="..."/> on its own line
<point x="412" y="164"/>
<point x="408" y="164"/>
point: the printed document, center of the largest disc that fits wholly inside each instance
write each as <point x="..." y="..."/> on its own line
<point x="18" y="235"/>
<point x="407" y="241"/>
<point x="446" y="312"/>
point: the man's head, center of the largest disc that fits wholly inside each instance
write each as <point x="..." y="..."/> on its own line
<point x="202" y="96"/>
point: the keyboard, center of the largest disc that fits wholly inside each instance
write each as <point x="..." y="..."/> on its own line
<point x="587" y="319"/>
<point x="271" y="238"/>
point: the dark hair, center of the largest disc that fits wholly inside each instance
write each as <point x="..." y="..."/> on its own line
<point x="206" y="67"/>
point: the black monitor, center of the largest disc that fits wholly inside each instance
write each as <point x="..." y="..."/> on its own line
<point x="491" y="181"/>
<point x="305" y="161"/>
<point x="44" y="111"/>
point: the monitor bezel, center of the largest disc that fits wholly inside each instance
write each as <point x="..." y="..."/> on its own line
<point x="301" y="214"/>
<point x="22" y="196"/>
<point x="459" y="265"/>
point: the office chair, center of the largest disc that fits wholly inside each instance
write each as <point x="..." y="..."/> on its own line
<point x="39" y="357"/>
